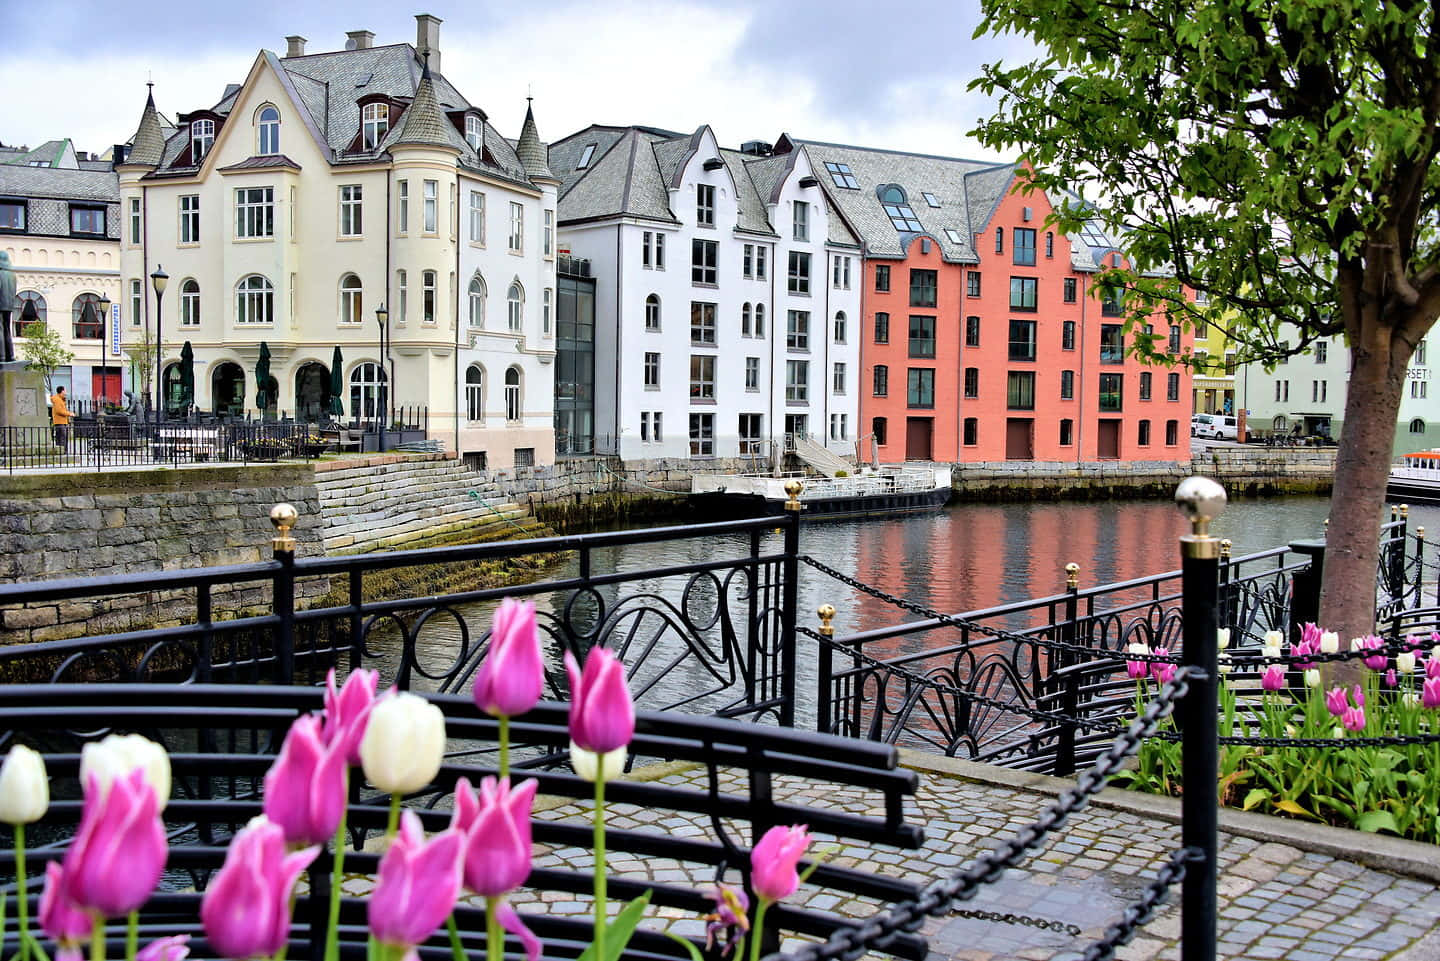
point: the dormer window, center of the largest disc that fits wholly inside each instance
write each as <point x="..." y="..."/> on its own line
<point x="897" y="208"/>
<point x="375" y="123"/>
<point x="202" y="138"/>
<point x="268" y="124"/>
<point x="585" y="157"/>
<point x="474" y="132"/>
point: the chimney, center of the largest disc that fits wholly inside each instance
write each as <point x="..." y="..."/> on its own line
<point x="295" y="46"/>
<point x="359" y="40"/>
<point x="117" y="155"/>
<point x="427" y="40"/>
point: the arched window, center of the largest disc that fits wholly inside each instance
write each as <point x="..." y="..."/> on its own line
<point x="1417" y="426"/>
<point x="375" y="123"/>
<point x="897" y="207"/>
<point x="477" y="305"/>
<point x="32" y="310"/>
<point x="367" y="391"/>
<point x="515" y="300"/>
<point x="351" y="300"/>
<point x="475" y="393"/>
<point x="842" y="327"/>
<point x="474" y="131"/>
<point x="759" y="320"/>
<point x="254" y="300"/>
<point x="512" y="394"/>
<point x="87" y="322"/>
<point x="652" y="312"/>
<point x="268" y="123"/>
<point x="189" y="303"/>
<point x="746" y="330"/>
<point x="1278" y="423"/>
<point x="202" y="138"/>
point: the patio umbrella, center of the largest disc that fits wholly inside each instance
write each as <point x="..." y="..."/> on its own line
<point x="262" y="378"/>
<point x="337" y="385"/>
<point x="187" y="377"/>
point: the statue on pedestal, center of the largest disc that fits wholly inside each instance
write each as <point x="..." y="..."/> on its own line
<point x="7" y="306"/>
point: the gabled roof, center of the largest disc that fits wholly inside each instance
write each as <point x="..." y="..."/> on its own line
<point x="52" y="153"/>
<point x="264" y="162"/>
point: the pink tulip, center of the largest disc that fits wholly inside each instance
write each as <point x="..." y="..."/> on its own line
<point x="1430" y="693"/>
<point x="774" y="859"/>
<point x="1432" y="667"/>
<point x="1274" y="679"/>
<point x="174" y="948"/>
<point x="1305" y="647"/>
<point x="1310" y="635"/>
<point x="1358" y="694"/>
<point x="418" y="883"/>
<point x="116" y="858"/>
<point x="602" y="718"/>
<point x="347" y="710"/>
<point x="305" y="787"/>
<point x="496" y="828"/>
<point x="64" y="921"/>
<point x="512" y="675"/>
<point x="1391" y="678"/>
<point x="1354" y="719"/>
<point x="246" y="909"/>
<point x="1335" y="701"/>
<point x="1162" y="671"/>
<point x="1138" y="670"/>
<point x="1376" y="662"/>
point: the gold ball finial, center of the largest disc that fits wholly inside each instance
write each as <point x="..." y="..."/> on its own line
<point x="827" y="614"/>
<point x="1225" y="546"/>
<point x="1072" y="575"/>
<point x="1404" y="510"/>
<point x="1420" y="533"/>
<point x="283" y="516"/>
<point x="793" y="488"/>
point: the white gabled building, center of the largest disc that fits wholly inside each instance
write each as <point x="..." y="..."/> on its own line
<point x="727" y="294"/>
<point x="323" y="187"/>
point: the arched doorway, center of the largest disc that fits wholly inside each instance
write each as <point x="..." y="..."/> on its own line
<point x="312" y="392"/>
<point x="171" y="392"/>
<point x="227" y="388"/>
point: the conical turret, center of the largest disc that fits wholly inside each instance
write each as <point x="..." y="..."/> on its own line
<point x="148" y="144"/>
<point x="423" y="123"/>
<point x="532" y="153"/>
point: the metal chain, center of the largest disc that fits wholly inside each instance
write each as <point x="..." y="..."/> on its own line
<point x="1121" y="932"/>
<point x="1024" y="919"/>
<point x="851" y="943"/>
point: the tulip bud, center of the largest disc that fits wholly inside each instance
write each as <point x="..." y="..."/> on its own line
<point x="347" y="710"/>
<point x="1405" y="662"/>
<point x="587" y="763"/>
<point x="512" y="675"/>
<point x="1273" y="639"/>
<point x="246" y="908"/>
<point x="404" y="743"/>
<point x="24" y="788"/>
<point x="305" y="787"/>
<point x="1329" y="642"/>
<point x="1312" y="677"/>
<point x="174" y="948"/>
<point x="773" y="861"/>
<point x="1222" y="638"/>
<point x="116" y="858"/>
<point x="417" y="885"/>
<point x="496" y="828"/>
<point x="62" y="920"/>
<point x="1274" y="679"/>
<point x="602" y="717"/>
<point x="116" y="755"/>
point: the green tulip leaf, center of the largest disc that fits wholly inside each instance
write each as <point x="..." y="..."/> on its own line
<point x="1254" y="797"/>
<point x="618" y="932"/>
<point x="1377" y="821"/>
<point x="687" y="944"/>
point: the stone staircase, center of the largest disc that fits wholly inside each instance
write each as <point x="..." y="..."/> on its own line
<point x="390" y="502"/>
<point x="820" y="458"/>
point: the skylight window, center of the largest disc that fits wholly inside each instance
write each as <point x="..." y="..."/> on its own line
<point x="953" y="236"/>
<point x="931" y="200"/>
<point x="585" y="157"/>
<point x="1090" y="233"/>
<point x="365" y="80"/>
<point x="897" y="208"/>
<point x="841" y="175"/>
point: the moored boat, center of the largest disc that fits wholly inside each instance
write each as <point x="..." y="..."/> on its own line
<point x="1415" y="478"/>
<point x="870" y="492"/>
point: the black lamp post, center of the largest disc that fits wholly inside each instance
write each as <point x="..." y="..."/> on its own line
<point x="382" y="317"/>
<point x="104" y="307"/>
<point x="159" y="279"/>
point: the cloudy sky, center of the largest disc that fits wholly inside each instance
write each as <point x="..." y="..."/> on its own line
<point x="843" y="70"/>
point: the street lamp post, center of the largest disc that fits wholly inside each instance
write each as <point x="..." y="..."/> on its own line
<point x="104" y="307"/>
<point x="158" y="279"/>
<point x="382" y="318"/>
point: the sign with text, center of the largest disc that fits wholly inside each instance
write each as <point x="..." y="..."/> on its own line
<point x="115" y="338"/>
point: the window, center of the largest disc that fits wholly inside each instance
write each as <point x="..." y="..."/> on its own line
<point x="1418" y="388"/>
<point x="1022" y="340"/>
<point x="402" y="295"/>
<point x="746" y="328"/>
<point x="652" y="369"/>
<point x="189" y="303"/>
<point x="202" y="138"/>
<point x="999" y="240"/>
<point x="797" y="330"/>
<point x="837" y="378"/>
<point x="1112" y="343"/>
<point x="135" y="220"/>
<point x="652" y="312"/>
<point x="474" y="394"/>
<point x="548" y="241"/>
<point x="1067" y="385"/>
<point x="12" y="215"/>
<point x="1417" y="426"/>
<point x="953" y="235"/>
<point x="897" y="208"/>
<point x="972" y="283"/>
<point x="517" y="228"/>
<point x="881" y="381"/>
<point x="882" y="328"/>
<point x="797" y="381"/>
<point x="702" y="435"/>
<point x="750" y="427"/>
<point x="474" y="132"/>
<point x="759" y="320"/>
<point x="659" y="251"/>
<point x="477" y="301"/>
<point x="350" y="307"/>
<point x="752" y="373"/>
<point x="920" y="387"/>
<point x="585" y="156"/>
<point x="477" y="217"/>
<point x="1067" y="432"/>
<point x="254" y="300"/>
<point x="759" y="262"/>
<point x="801" y="220"/>
<point x="702" y="376"/>
<point x="269" y="129"/>
<point x="1142" y="434"/>
<point x="87" y="220"/>
<point x="931" y="199"/>
<point x="367" y="391"/>
<point x="1172" y="387"/>
<point x="799" y="282"/>
<point x="882" y="278"/>
<point x="972" y="432"/>
<point x="135" y="309"/>
<point x="842" y="273"/>
<point x="1174" y="338"/>
<point x="547" y="301"/>
<point x="1322" y="352"/>
<point x="1022" y="293"/>
<point x="1112" y="302"/>
<point x="922" y="336"/>
<point x="1020" y="390"/>
<point x="839" y="426"/>
<point x="702" y="323"/>
<point x="922" y="288"/>
<point x="841" y="176"/>
<point x="88" y="324"/>
<point x="515" y="307"/>
<point x="1069" y="290"/>
<point x="704" y="255"/>
<point x="1419" y="357"/>
<point x="705" y="205"/>
<point x="190" y="219"/>
<point x="1049" y="244"/>
<point x="747" y="261"/>
<point x="1172" y="433"/>
<point x="350" y="209"/>
<point x="841" y="327"/>
<point x="512" y="394"/>
<point x="877" y="427"/>
<point x="1145" y="377"/>
<point x="972" y="331"/>
<point x="374" y="124"/>
<point x="1110" y="391"/>
<point x="972" y="382"/>
<point x="1324" y="391"/>
<point x="431" y="204"/>
<point x="1024" y="252"/>
<point x="403" y="200"/>
<point x="254" y="212"/>
<point x="645" y="258"/>
<point x="427" y="296"/>
<point x="650" y="426"/>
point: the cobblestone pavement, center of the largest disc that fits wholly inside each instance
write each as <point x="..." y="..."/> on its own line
<point x="1275" y="901"/>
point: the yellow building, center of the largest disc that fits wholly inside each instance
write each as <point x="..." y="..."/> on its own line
<point x="1214" y="380"/>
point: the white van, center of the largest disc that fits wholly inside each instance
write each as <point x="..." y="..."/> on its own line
<point x="1214" y="426"/>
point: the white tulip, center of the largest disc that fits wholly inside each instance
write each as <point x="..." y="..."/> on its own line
<point x="1329" y="642"/>
<point x="1138" y="648"/>
<point x="1274" y="639"/>
<point x="1222" y="637"/>
<point x="1270" y="652"/>
<point x="404" y="743"/>
<point x="587" y="763"/>
<point x="1410" y="699"/>
<point x="1224" y="663"/>
<point x="1312" y="677"/>
<point x="1405" y="662"/>
<point x="1435" y="651"/>
<point x="24" y="788"/>
<point x="117" y="755"/>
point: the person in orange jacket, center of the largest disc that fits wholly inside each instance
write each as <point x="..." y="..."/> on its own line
<point x="60" y="417"/>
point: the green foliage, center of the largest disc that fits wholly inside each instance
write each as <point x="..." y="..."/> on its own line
<point x="44" y="352"/>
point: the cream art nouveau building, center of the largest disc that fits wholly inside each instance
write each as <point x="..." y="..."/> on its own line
<point x="328" y="185"/>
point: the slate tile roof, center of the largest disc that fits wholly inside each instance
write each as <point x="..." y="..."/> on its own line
<point x="59" y="183"/>
<point x="263" y="162"/>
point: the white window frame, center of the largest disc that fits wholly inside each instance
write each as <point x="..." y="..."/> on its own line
<point x="800" y="221"/>
<point x="254" y="213"/>
<point x="189" y="303"/>
<point x="702" y="434"/>
<point x="549" y="241"/>
<point x="254" y="303"/>
<point x="513" y="409"/>
<point x="546" y="303"/>
<point x="515" y="307"/>
<point x="431" y="190"/>
<point x="752" y="373"/>
<point x="475" y="395"/>
<point x="652" y="312"/>
<point x="428" y="280"/>
<point x="202" y="138"/>
<point x="374" y="124"/>
<point x="705" y="205"/>
<point x="189" y="218"/>
<point x="477" y="217"/>
<point x="837" y="379"/>
<point x="402" y="295"/>
<point x="135" y="225"/>
<point x="267" y="129"/>
<point x="517" y="228"/>
<point x="474" y="132"/>
<point x="477" y="291"/>
<point x="352" y="210"/>
<point x="352" y="300"/>
<point x="402" y="195"/>
<point x="650" y="370"/>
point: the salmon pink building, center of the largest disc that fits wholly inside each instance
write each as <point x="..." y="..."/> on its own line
<point x="983" y="334"/>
